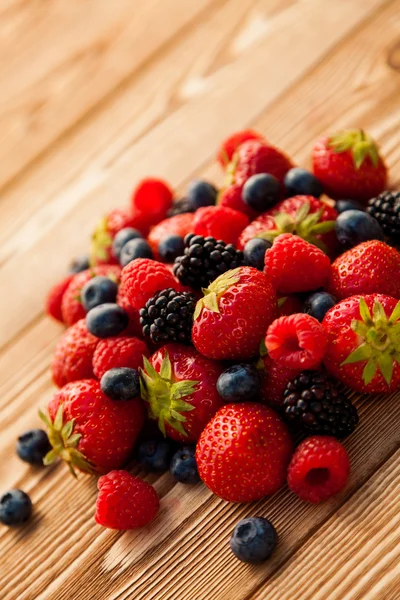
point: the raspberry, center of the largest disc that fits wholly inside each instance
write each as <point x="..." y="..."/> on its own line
<point x="141" y="279"/>
<point x="219" y="222"/>
<point x="74" y="354"/>
<point x="151" y="200"/>
<point x="125" y="502"/>
<point x="54" y="299"/>
<point x="232" y="143"/>
<point x="117" y="352"/>
<point x="319" y="469"/>
<point x="294" y="265"/>
<point x="231" y="197"/>
<point x="297" y="341"/>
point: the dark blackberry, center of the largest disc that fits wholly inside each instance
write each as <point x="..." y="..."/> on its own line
<point x="385" y="208"/>
<point x="168" y="316"/>
<point x="314" y="402"/>
<point x="180" y="206"/>
<point x="204" y="259"/>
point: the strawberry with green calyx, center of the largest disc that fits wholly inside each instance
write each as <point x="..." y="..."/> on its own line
<point x="104" y="233"/>
<point x="364" y="343"/>
<point x="179" y="388"/>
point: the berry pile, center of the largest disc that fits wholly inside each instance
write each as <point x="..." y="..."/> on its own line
<point x="203" y="331"/>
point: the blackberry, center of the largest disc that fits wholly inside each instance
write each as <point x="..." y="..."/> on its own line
<point x="181" y="206"/>
<point x="385" y="208"/>
<point x="314" y="402"/>
<point x="168" y="316"/>
<point x="204" y="259"/>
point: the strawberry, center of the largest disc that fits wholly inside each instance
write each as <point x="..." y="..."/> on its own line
<point x="54" y="298"/>
<point x="179" y="387"/>
<point x="371" y="267"/>
<point x="232" y="317"/>
<point x="88" y="430"/>
<point x="115" y="352"/>
<point x="102" y="238"/>
<point x="348" y="165"/>
<point x="275" y="376"/>
<point x="289" y="305"/>
<point x="178" y="225"/>
<point x="219" y="222"/>
<point x="151" y="200"/>
<point x="231" y="197"/>
<point x="255" y="156"/>
<point x="232" y="143"/>
<point x="364" y="343"/>
<point x="243" y="453"/>
<point x="73" y="356"/>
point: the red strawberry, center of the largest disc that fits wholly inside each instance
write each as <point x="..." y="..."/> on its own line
<point x="134" y="328"/>
<point x="348" y="165"/>
<point x="243" y="453"/>
<point x="256" y="156"/>
<point x="275" y="377"/>
<point x="231" y="197"/>
<point x="117" y="352"/>
<point x="151" y="200"/>
<point x="293" y="265"/>
<point x="102" y="238"/>
<point x="88" y="430"/>
<point x="364" y="343"/>
<point x="177" y="225"/>
<point x="141" y="279"/>
<point x="232" y="143"/>
<point x="71" y="305"/>
<point x="370" y="267"/>
<point x="125" y="502"/>
<point x="179" y="386"/>
<point x="73" y="356"/>
<point x="219" y="222"/>
<point x="54" y="299"/>
<point x="289" y="305"/>
<point x="232" y="317"/>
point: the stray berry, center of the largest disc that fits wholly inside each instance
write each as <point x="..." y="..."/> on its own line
<point x="354" y="227"/>
<point x="261" y="192"/>
<point x="155" y="455"/>
<point x="171" y="247"/>
<point x="319" y="469"/>
<point x="135" y="248"/>
<point x="385" y="208"/>
<point x="15" y="507"/>
<point x="253" y="540"/>
<point x="184" y="467"/>
<point x="318" y="304"/>
<point x="33" y="446"/>
<point x="201" y="193"/>
<point x="107" y="320"/>
<point x="121" y="383"/>
<point x="168" y="316"/>
<point x="301" y="182"/>
<point x="179" y="207"/>
<point x="98" y="290"/>
<point x="343" y="205"/>
<point x="239" y="383"/>
<point x="254" y="253"/>
<point x="122" y="237"/>
<point x="80" y="263"/>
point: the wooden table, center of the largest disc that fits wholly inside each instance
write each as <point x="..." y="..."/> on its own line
<point x="96" y="94"/>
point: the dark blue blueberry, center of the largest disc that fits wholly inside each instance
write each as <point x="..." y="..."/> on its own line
<point x="183" y="465"/>
<point x="136" y="248"/>
<point x="318" y="304"/>
<point x="201" y="193"/>
<point x="155" y="455"/>
<point x="261" y="192"/>
<point x="343" y="205"/>
<point x="170" y="247"/>
<point x="33" y="446"/>
<point x="107" y="320"/>
<point x="15" y="507"/>
<point x="120" y="383"/>
<point x="239" y="383"/>
<point x="301" y="182"/>
<point x="354" y="227"/>
<point x="253" y="540"/>
<point x="80" y="263"/>
<point x="122" y="237"/>
<point x="98" y="290"/>
<point x="254" y="252"/>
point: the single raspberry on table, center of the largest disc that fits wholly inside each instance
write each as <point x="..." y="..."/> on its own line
<point x="178" y="225"/>
<point x="141" y="279"/>
<point x="73" y="356"/>
<point x="151" y="200"/>
<point x="230" y="145"/>
<point x="54" y="299"/>
<point x="219" y="222"/>
<point x="115" y="352"/>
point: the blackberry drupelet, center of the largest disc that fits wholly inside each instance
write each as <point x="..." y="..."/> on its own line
<point x="168" y="316"/>
<point x="314" y="402"/>
<point x="204" y="260"/>
<point x="385" y="208"/>
<point x="181" y="206"/>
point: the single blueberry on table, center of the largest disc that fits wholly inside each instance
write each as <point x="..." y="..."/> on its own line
<point x="32" y="446"/>
<point x="171" y="247"/>
<point x="15" y="507"/>
<point x="135" y="248"/>
<point x="354" y="227"/>
<point x="239" y="383"/>
<point x="107" y="320"/>
<point x="155" y="455"/>
<point x="301" y="182"/>
<point x="318" y="304"/>
<point x="98" y="290"/>
<point x="120" y="383"/>
<point x="254" y="253"/>
<point x="253" y="540"/>
<point x="184" y="467"/>
<point x="343" y="205"/>
<point x="261" y="192"/>
<point x="201" y="193"/>
<point x="122" y="237"/>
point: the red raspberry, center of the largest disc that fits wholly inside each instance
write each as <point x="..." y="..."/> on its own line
<point x="231" y="144"/>
<point x="73" y="355"/>
<point x="54" y="299"/>
<point x="220" y="222"/>
<point x="231" y="197"/>
<point x="294" y="265"/>
<point x="297" y="341"/>
<point x="275" y="377"/>
<point x="118" y="352"/>
<point x="177" y="225"/>
<point x="319" y="469"/>
<point x="141" y="279"/>
<point x="102" y="238"/>
<point x="125" y="502"/>
<point x="151" y="200"/>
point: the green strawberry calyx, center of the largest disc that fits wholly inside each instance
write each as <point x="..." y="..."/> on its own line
<point x="379" y="337"/>
<point x="164" y="396"/>
<point x="216" y="289"/>
<point x="64" y="443"/>
<point x="101" y="242"/>
<point x="360" y="144"/>
<point x="304" y="224"/>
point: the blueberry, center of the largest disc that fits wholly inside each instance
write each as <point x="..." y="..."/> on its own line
<point x="299" y="181"/>
<point x="98" y="290"/>
<point x="318" y="304"/>
<point x="33" y="446"/>
<point x="15" y="507"/>
<point x="183" y="465"/>
<point x="239" y="383"/>
<point x="120" y="383"/>
<point x="136" y="248"/>
<point x="80" y="263"/>
<point x="343" y="205"/>
<point x="107" y="320"/>
<point x="354" y="227"/>
<point x="170" y="247"/>
<point x="201" y="193"/>
<point x="253" y="540"/>
<point x="261" y="192"/>
<point x="254" y="252"/>
<point x="122" y="237"/>
<point x="155" y="455"/>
